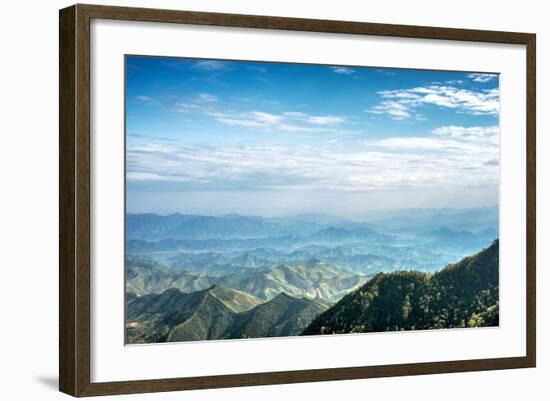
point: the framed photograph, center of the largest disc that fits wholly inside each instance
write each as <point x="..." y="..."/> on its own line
<point x="250" y="200"/>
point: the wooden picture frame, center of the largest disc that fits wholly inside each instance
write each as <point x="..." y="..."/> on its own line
<point x="74" y="200"/>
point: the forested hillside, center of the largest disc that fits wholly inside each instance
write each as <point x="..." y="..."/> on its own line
<point x="464" y="294"/>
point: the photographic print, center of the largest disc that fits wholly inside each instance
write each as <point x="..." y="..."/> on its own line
<point x="272" y="199"/>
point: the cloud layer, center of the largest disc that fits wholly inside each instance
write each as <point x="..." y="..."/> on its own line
<point x="343" y="70"/>
<point x="482" y="77"/>
<point x="405" y="103"/>
<point x="463" y="157"/>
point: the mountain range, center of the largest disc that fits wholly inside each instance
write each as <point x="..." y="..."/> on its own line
<point x="464" y="294"/>
<point x="313" y="279"/>
<point x="233" y="226"/>
<point x="192" y="277"/>
<point x="424" y="240"/>
<point x="150" y="226"/>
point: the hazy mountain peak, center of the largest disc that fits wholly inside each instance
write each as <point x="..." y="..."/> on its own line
<point x="284" y="296"/>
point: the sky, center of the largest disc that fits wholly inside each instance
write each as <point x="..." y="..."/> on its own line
<point x="256" y="138"/>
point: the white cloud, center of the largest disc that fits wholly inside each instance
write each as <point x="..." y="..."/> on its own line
<point x="325" y="120"/>
<point x="257" y="119"/>
<point x="207" y="97"/>
<point x="394" y="109"/>
<point x="146" y="99"/>
<point x="243" y="122"/>
<point x="185" y="107"/>
<point x="154" y="148"/>
<point x="454" y="139"/>
<point x="266" y="118"/>
<point x="201" y="103"/>
<point x="286" y="122"/>
<point x="210" y="65"/>
<point x="289" y="121"/>
<point x="343" y="70"/>
<point x="402" y="103"/>
<point x="145" y="176"/>
<point x="468" y="133"/>
<point x="482" y="77"/>
<point x="297" y="114"/>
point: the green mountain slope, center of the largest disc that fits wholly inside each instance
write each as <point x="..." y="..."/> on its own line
<point x="150" y="318"/>
<point x="282" y="316"/>
<point x="461" y="295"/>
<point x="215" y="313"/>
<point x="235" y="300"/>
<point x="313" y="279"/>
<point x="176" y="316"/>
<point x="209" y="321"/>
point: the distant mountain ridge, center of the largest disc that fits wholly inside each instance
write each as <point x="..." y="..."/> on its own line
<point x="423" y="240"/>
<point x="472" y="219"/>
<point x="313" y="279"/>
<point x="340" y="234"/>
<point x="461" y="295"/>
<point x="146" y="276"/>
<point x="150" y="226"/>
<point x="180" y="226"/>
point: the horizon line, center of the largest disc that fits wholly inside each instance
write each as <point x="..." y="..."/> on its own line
<point x="496" y="206"/>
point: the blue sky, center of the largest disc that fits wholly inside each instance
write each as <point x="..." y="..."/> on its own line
<point x="215" y="137"/>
